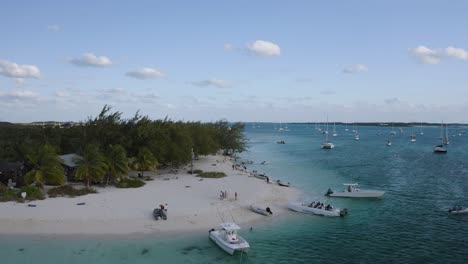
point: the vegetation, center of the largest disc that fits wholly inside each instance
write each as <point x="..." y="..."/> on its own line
<point x="9" y="195"/>
<point x="131" y="183"/>
<point x="92" y="166"/>
<point x="212" y="174"/>
<point x="32" y="193"/>
<point x="46" y="167"/>
<point x="109" y="140"/>
<point x="69" y="190"/>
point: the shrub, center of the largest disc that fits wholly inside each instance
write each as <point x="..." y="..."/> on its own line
<point x="195" y="171"/>
<point x="131" y="183"/>
<point x="212" y="174"/>
<point x="69" y="190"/>
<point x="32" y="193"/>
<point x="9" y="195"/>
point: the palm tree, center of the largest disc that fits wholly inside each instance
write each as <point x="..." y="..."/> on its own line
<point x="117" y="163"/>
<point x="92" y="166"/>
<point x="144" y="161"/>
<point x="46" y="167"/>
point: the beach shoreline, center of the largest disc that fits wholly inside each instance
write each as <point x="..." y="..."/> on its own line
<point x="194" y="206"/>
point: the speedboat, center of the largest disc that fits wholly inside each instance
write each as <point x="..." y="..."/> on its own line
<point x="228" y="239"/>
<point x="260" y="176"/>
<point x="261" y="210"/>
<point x="312" y="208"/>
<point x="458" y="210"/>
<point x="327" y="145"/>
<point x="282" y="183"/>
<point x="352" y="191"/>
<point x="280" y="142"/>
<point x="264" y="162"/>
<point x="440" y="149"/>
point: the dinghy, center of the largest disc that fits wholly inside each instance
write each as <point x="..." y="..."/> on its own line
<point x="282" y="183"/>
<point x="261" y="210"/>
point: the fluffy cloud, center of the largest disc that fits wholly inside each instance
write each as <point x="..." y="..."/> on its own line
<point x="91" y="60"/>
<point x="54" y="27"/>
<point x="264" y="48"/>
<point x="355" y="68"/>
<point x="425" y="55"/>
<point x="145" y="73"/>
<point x="456" y="53"/>
<point x="13" y="70"/>
<point x="213" y="82"/>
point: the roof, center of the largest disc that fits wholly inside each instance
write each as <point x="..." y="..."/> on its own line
<point x="67" y="159"/>
<point x="229" y="226"/>
<point x="10" y="166"/>
<point x="350" y="184"/>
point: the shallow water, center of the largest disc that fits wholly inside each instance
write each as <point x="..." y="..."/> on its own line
<point x="408" y="225"/>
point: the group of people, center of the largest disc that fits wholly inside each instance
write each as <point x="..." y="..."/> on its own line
<point x="320" y="205"/>
<point x="224" y="195"/>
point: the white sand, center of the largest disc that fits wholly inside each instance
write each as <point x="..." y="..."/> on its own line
<point x="129" y="211"/>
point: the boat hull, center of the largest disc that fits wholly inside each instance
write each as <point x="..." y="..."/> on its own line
<point x="259" y="210"/>
<point x="229" y="248"/>
<point x="463" y="211"/>
<point x="358" y="194"/>
<point x="301" y="208"/>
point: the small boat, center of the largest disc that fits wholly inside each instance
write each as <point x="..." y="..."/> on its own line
<point x="458" y="210"/>
<point x="280" y="142"/>
<point x="282" y="183"/>
<point x="352" y="191"/>
<point x="440" y="149"/>
<point x="334" y="130"/>
<point x="356" y="136"/>
<point x="260" y="176"/>
<point x="264" y="162"/>
<point x="389" y="142"/>
<point x="228" y="239"/>
<point x="261" y="210"/>
<point x="312" y="208"/>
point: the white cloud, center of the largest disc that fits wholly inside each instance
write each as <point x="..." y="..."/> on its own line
<point x="91" y="60"/>
<point x="18" y="96"/>
<point x="425" y="55"/>
<point x="264" y="48"/>
<point x="54" y="27"/>
<point x="228" y="47"/>
<point x="457" y="53"/>
<point x="13" y="70"/>
<point x="213" y="82"/>
<point x="145" y="73"/>
<point x="356" y="68"/>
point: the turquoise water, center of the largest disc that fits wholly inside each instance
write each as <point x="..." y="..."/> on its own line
<point x="409" y="225"/>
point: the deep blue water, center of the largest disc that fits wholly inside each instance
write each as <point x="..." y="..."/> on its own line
<point x="409" y="224"/>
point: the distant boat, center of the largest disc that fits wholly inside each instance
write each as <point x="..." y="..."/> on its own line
<point x="334" y="130"/>
<point x="228" y="239"/>
<point x="356" y="136"/>
<point x="282" y="183"/>
<point x="445" y="136"/>
<point x="420" y="130"/>
<point x="413" y="137"/>
<point x="441" y="147"/>
<point x="327" y="144"/>
<point x="389" y="142"/>
<point x="393" y="132"/>
<point x="346" y="128"/>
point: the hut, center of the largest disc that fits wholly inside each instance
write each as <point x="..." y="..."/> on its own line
<point x="11" y="173"/>
<point x="69" y="164"/>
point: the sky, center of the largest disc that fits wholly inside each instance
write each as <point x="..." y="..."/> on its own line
<point x="251" y="61"/>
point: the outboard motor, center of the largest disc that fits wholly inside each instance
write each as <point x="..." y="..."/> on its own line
<point x="329" y="192"/>
<point x="343" y="212"/>
<point x="268" y="210"/>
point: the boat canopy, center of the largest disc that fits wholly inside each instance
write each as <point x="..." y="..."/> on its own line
<point x="350" y="184"/>
<point x="230" y="226"/>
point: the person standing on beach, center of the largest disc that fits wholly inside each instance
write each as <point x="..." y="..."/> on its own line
<point x="235" y="195"/>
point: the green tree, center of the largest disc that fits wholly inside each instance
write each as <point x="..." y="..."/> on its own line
<point x="46" y="167"/>
<point x="144" y="161"/>
<point x="92" y="166"/>
<point x="117" y="163"/>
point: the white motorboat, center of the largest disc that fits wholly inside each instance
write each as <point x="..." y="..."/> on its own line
<point x="261" y="210"/>
<point x="282" y="183"/>
<point x="228" y="239"/>
<point x="312" y="208"/>
<point x="458" y="210"/>
<point x="352" y="191"/>
<point x="440" y="149"/>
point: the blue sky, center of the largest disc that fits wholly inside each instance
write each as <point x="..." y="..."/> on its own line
<point x="278" y="61"/>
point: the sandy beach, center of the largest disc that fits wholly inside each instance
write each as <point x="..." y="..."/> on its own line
<point x="193" y="204"/>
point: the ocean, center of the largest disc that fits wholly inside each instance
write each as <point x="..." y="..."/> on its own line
<point x="410" y="224"/>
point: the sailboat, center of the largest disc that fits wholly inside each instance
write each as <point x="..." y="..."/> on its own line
<point x="413" y="136"/>
<point x="389" y="142"/>
<point x="327" y="144"/>
<point x="356" y="135"/>
<point x="392" y="132"/>
<point x="346" y="128"/>
<point x="334" y="130"/>
<point x="441" y="148"/>
<point x="420" y="130"/>
<point x="445" y="136"/>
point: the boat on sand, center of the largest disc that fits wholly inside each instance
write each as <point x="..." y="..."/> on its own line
<point x="261" y="210"/>
<point x="228" y="239"/>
